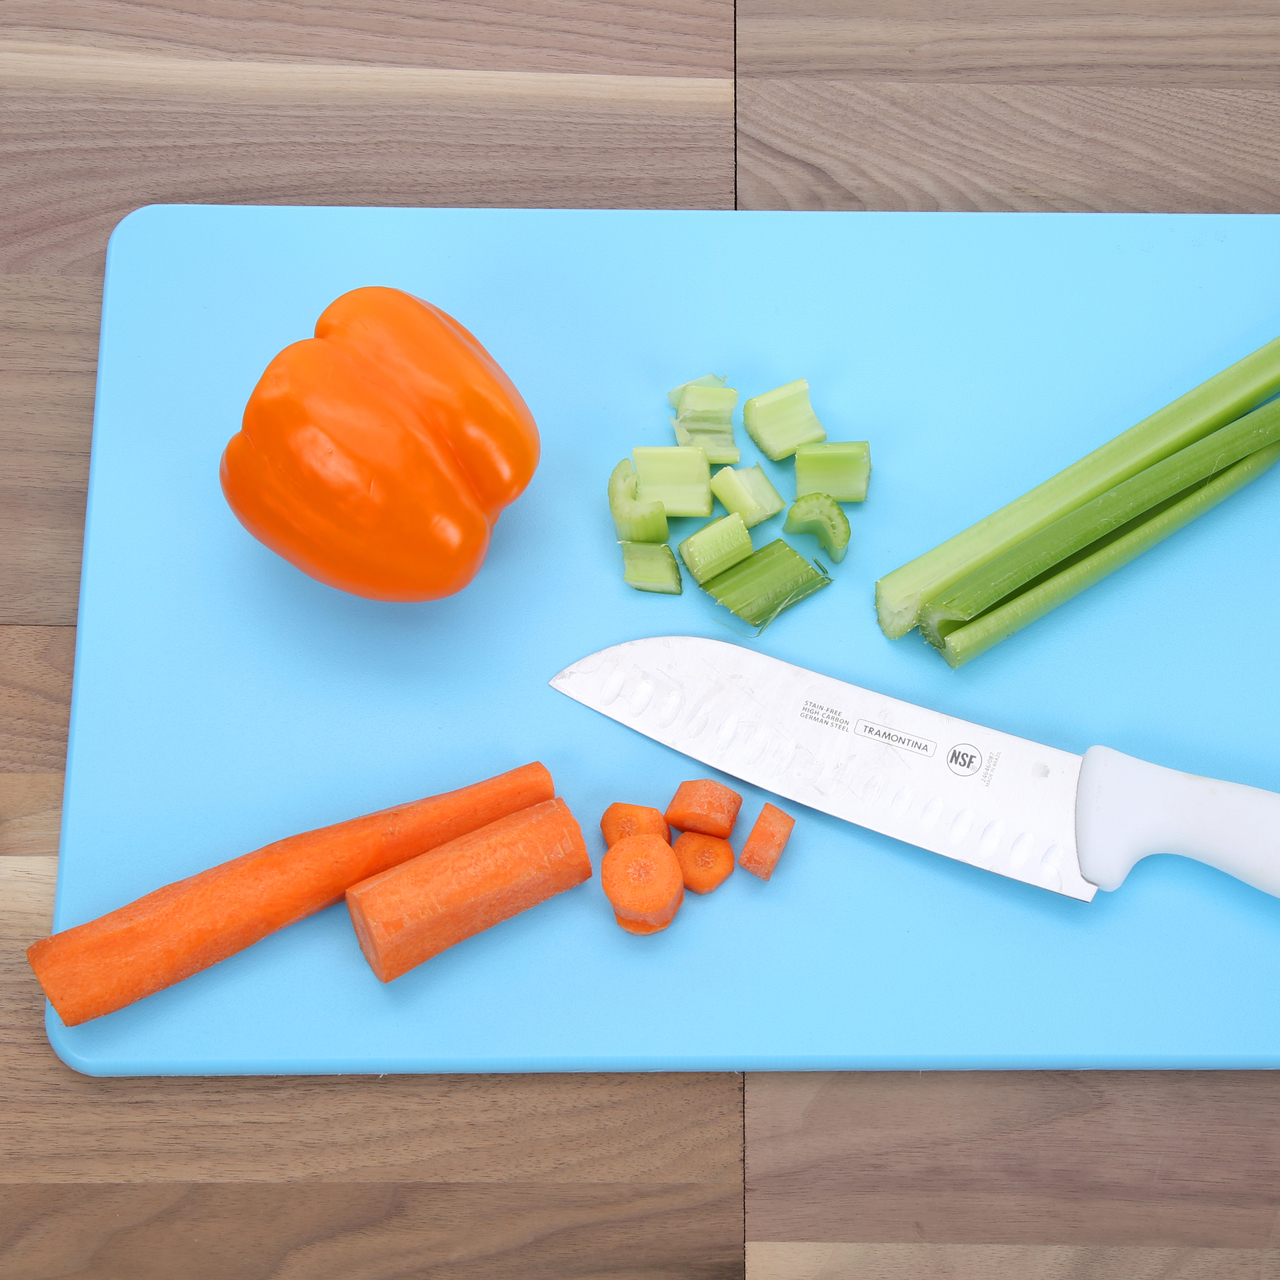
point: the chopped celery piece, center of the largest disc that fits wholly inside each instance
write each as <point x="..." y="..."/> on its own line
<point x="748" y="492"/>
<point x="820" y="514"/>
<point x="1034" y="556"/>
<point x="650" y="566"/>
<point x="716" y="547"/>
<point x="710" y="380"/>
<point x="768" y="581"/>
<point x="716" y="439"/>
<point x="1110" y="553"/>
<point x="678" y="476"/>
<point x="1223" y="398"/>
<point x="634" y="520"/>
<point x="706" y="404"/>
<point x="781" y="420"/>
<point x="840" y="468"/>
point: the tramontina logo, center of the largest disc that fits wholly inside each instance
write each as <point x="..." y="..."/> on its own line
<point x="964" y="759"/>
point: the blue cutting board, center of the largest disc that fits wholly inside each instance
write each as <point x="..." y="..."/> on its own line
<point x="223" y="700"/>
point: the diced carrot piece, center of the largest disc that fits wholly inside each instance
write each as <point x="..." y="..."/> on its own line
<point x="705" y="861"/>
<point x="631" y="820"/>
<point x="641" y="878"/>
<point x="766" y="842"/>
<point x="414" y="911"/>
<point x="107" y="963"/>
<point x="632" y="926"/>
<point x="705" y="806"/>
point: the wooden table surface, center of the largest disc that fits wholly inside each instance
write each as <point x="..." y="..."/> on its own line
<point x="850" y="104"/>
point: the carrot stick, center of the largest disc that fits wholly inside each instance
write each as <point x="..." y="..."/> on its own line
<point x="168" y="935"/>
<point x="705" y="861"/>
<point x="766" y="842"/>
<point x="414" y="911"/>
<point x="632" y="819"/>
<point x="705" y="806"/>
<point x="641" y="878"/>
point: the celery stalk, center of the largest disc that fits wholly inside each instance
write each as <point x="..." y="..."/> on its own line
<point x="716" y="547"/>
<point x="650" y="566"/>
<point x="634" y="520"/>
<point x="1221" y="399"/>
<point x="976" y="637"/>
<point x="820" y="514"/>
<point x="748" y="492"/>
<point x="781" y="420"/>
<point x="709" y="380"/>
<point x="1034" y="556"/>
<point x="716" y="439"/>
<point x="706" y="404"/>
<point x="840" y="468"/>
<point x="768" y="581"/>
<point x="677" y="476"/>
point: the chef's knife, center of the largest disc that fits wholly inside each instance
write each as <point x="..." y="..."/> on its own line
<point x="1064" y="822"/>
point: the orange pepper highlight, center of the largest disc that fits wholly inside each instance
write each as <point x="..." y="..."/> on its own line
<point x="377" y="456"/>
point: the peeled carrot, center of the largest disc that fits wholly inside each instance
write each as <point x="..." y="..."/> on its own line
<point x="705" y="861"/>
<point x="641" y="877"/>
<point x="766" y="842"/>
<point x="705" y="806"/>
<point x="632" y="819"/>
<point x="168" y="935"/>
<point x="414" y="911"/>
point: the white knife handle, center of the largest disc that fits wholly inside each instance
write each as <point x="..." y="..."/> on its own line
<point x="1127" y="809"/>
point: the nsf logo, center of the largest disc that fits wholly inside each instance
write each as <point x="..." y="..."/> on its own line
<point x="964" y="759"/>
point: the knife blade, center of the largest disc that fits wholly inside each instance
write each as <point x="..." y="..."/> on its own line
<point x="1067" y="823"/>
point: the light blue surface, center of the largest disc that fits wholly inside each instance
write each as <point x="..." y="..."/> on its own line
<point x="223" y="700"/>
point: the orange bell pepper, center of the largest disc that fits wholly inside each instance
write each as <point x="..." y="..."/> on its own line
<point x="377" y="455"/>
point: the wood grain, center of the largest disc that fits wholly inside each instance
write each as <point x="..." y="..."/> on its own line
<point x="1139" y="42"/>
<point x="48" y="361"/>
<point x="411" y="1230"/>
<point x="1073" y="1158"/>
<point x="30" y="814"/>
<point x="604" y="37"/>
<point x="91" y="135"/>
<point x="784" y="1261"/>
<point x="35" y="698"/>
<point x="806" y="143"/>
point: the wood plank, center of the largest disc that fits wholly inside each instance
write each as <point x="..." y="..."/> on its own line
<point x="30" y="814"/>
<point x="606" y="37"/>
<point x="92" y="135"/>
<point x="35" y="698"/>
<point x="48" y="361"/>
<point x="256" y="1232"/>
<point x="808" y="143"/>
<point x="1155" y="43"/>
<point x="785" y="1261"/>
<point x="1165" y="1159"/>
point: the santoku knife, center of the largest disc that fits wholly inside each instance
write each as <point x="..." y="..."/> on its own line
<point x="1064" y="822"/>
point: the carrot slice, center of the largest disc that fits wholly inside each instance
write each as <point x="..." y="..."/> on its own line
<point x="632" y="819"/>
<point x="168" y="935"/>
<point x="766" y="842"/>
<point x="641" y="877"/>
<point x="705" y="861"/>
<point x="705" y="806"/>
<point x="632" y="926"/>
<point x="415" y="911"/>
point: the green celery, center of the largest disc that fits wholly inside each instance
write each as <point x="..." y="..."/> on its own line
<point x="821" y="515"/>
<point x="748" y="492"/>
<point x="1034" y="556"/>
<point x="840" y="468"/>
<point x="1214" y="403"/>
<point x="634" y="520"/>
<point x="678" y="476"/>
<point x="709" y="380"/>
<point x="706" y="404"/>
<point x="972" y="638"/>
<point x="768" y="581"/>
<point x="781" y="420"/>
<point x="716" y="547"/>
<point x="650" y="566"/>
<point x="715" y="439"/>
